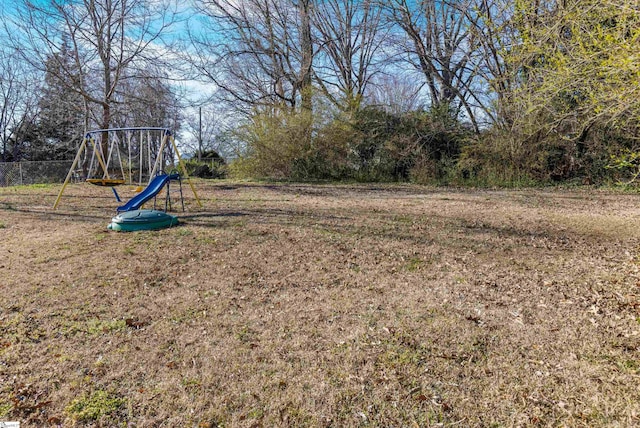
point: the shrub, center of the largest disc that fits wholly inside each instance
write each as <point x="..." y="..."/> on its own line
<point x="210" y="165"/>
<point x="369" y="144"/>
<point x="329" y="153"/>
<point x="511" y="158"/>
<point x="494" y="159"/>
<point x="275" y="141"/>
<point x="417" y="146"/>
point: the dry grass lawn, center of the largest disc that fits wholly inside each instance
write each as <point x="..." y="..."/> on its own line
<point x="322" y="305"/>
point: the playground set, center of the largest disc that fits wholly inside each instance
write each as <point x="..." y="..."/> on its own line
<point x="149" y="152"/>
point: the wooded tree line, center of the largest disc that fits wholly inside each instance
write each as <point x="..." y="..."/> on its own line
<point x="483" y="91"/>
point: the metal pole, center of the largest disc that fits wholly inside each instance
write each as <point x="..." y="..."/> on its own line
<point x="184" y="169"/>
<point x="141" y="145"/>
<point x="73" y="166"/>
<point x="200" y="136"/>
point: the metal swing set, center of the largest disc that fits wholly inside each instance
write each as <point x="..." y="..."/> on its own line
<point x="148" y="151"/>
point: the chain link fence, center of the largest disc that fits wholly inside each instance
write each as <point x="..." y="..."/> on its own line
<point x="36" y="172"/>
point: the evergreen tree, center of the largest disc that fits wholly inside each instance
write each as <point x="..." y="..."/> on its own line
<point x="60" y="127"/>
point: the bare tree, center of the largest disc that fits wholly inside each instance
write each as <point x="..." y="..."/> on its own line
<point x="396" y="93"/>
<point x="258" y="52"/>
<point x="437" y="40"/>
<point x="211" y="124"/>
<point x="18" y="100"/>
<point x="106" y="38"/>
<point x="148" y="100"/>
<point x="306" y="53"/>
<point x="350" y="37"/>
<point x="492" y="24"/>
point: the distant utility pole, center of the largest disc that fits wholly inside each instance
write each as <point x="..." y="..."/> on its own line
<point x="200" y="135"/>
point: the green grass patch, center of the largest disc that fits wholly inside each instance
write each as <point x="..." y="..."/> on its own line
<point x="41" y="186"/>
<point x="94" y="327"/>
<point x="632" y="366"/>
<point x="184" y="232"/>
<point x="95" y="406"/>
<point x="5" y="408"/>
<point x="414" y="264"/>
<point x="207" y="240"/>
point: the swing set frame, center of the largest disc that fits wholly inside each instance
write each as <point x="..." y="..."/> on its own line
<point x="89" y="143"/>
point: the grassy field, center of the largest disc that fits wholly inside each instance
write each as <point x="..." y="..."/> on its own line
<point x="322" y="305"/>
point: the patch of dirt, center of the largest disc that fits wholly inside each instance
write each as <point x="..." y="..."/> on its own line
<point x="322" y="305"/>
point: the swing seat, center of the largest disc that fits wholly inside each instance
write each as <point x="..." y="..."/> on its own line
<point x="106" y="182"/>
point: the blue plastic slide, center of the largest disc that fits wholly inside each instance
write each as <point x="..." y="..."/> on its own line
<point x="149" y="192"/>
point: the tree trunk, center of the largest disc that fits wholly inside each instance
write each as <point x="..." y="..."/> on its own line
<point x="306" y="45"/>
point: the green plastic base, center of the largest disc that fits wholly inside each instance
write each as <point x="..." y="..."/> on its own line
<point x="135" y="220"/>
